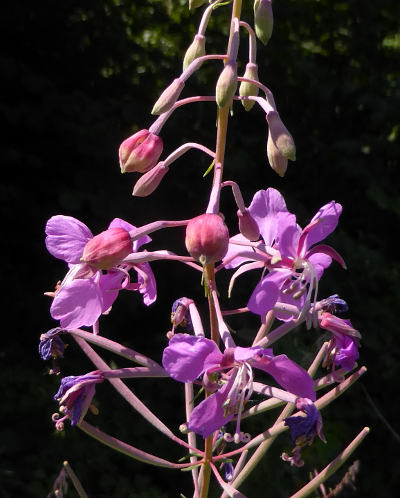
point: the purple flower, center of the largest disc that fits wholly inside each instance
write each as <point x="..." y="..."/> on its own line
<point x="51" y="345"/>
<point x="86" y="292"/>
<point x="74" y="396"/>
<point x="229" y="376"/>
<point x="343" y="347"/>
<point x="294" y="262"/>
<point x="303" y="429"/>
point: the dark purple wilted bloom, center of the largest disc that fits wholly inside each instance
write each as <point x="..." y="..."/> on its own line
<point x="74" y="396"/>
<point x="343" y="347"/>
<point x="51" y="345"/>
<point x="86" y="292"/>
<point x="229" y="376"/>
<point x="303" y="429"/>
<point x="180" y="314"/>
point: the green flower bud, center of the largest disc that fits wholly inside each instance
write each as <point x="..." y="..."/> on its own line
<point x="281" y="136"/>
<point x="193" y="4"/>
<point x="248" y="89"/>
<point x="263" y="20"/>
<point x="195" y="50"/>
<point x="226" y="84"/>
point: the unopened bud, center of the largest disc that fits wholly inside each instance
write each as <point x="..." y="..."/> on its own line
<point x="263" y="20"/>
<point x="140" y="152"/>
<point x="277" y="162"/>
<point x="248" y="89"/>
<point x="107" y="249"/>
<point x="195" y="50"/>
<point x="193" y="4"/>
<point x="281" y="136"/>
<point x="169" y="96"/>
<point x="148" y="182"/>
<point x="248" y="226"/>
<point x="207" y="238"/>
<point x="226" y="84"/>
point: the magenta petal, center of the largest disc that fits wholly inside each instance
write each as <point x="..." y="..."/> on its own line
<point x="320" y="262"/>
<point x="208" y="416"/>
<point x="264" y="295"/>
<point x="232" y="259"/>
<point x="187" y="357"/>
<point x="77" y="304"/>
<point x="245" y="354"/>
<point x="148" y="286"/>
<point x="118" y="223"/>
<point x="66" y="238"/>
<point x="264" y="208"/>
<point x="110" y="284"/>
<point x="328" y="217"/>
<point x="288" y="235"/>
<point x="289" y="375"/>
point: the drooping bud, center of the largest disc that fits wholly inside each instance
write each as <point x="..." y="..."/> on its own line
<point x="169" y="96"/>
<point x="248" y="89"/>
<point x="193" y="4"/>
<point x="148" y="182"/>
<point x="263" y="20"/>
<point x="207" y="238"/>
<point x="140" y="152"/>
<point x="276" y="160"/>
<point x="107" y="249"/>
<point x="281" y="136"/>
<point x="248" y="226"/>
<point x="195" y="50"/>
<point x="226" y="84"/>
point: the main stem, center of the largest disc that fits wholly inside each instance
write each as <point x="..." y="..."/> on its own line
<point x="222" y="128"/>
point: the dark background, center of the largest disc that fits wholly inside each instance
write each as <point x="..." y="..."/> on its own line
<point x="79" y="76"/>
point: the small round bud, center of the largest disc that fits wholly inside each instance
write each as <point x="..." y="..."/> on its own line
<point x="248" y="89"/>
<point x="195" y="50"/>
<point x="207" y="238"/>
<point x="107" y="249"/>
<point x="248" y="226"/>
<point x="140" y="152"/>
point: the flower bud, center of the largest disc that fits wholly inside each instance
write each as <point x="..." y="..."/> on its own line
<point x="248" y="226"/>
<point x="248" y="89"/>
<point x="193" y="4"/>
<point x="276" y="160"/>
<point x="281" y="136"/>
<point x="195" y="50"/>
<point x="169" y="96"/>
<point x="107" y="249"/>
<point x="226" y="84"/>
<point x="263" y="20"/>
<point x="148" y="182"/>
<point x="207" y="238"/>
<point x="140" y="152"/>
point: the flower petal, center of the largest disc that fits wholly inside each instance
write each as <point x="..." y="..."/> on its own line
<point x="148" y="286"/>
<point x="187" y="357"/>
<point x="77" y="304"/>
<point x="66" y="238"/>
<point x="118" y="223"/>
<point x="327" y="217"/>
<point x="265" y="294"/>
<point x="208" y="416"/>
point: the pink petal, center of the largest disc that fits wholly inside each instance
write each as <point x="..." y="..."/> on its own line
<point x="66" y="238"/>
<point x="118" y="223"/>
<point x="264" y="296"/>
<point x="77" y="304"/>
<point x="328" y="218"/>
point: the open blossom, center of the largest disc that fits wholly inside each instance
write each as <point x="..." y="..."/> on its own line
<point x="74" y="396"/>
<point x="294" y="261"/>
<point x="86" y="292"/>
<point x="229" y="376"/>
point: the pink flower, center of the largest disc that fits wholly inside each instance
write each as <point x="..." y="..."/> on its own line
<point x="86" y="292"/>
<point x="140" y="152"/>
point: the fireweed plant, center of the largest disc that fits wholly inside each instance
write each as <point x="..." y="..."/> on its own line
<point x="218" y="376"/>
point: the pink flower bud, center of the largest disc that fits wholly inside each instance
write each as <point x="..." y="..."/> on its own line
<point x="107" y="249"/>
<point x="148" y="182"/>
<point x="281" y="136"/>
<point x="140" y="152"/>
<point x="248" y="226"/>
<point x="226" y="84"/>
<point x="263" y="20"/>
<point x="169" y="96"/>
<point x="207" y="238"/>
<point x="248" y="89"/>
